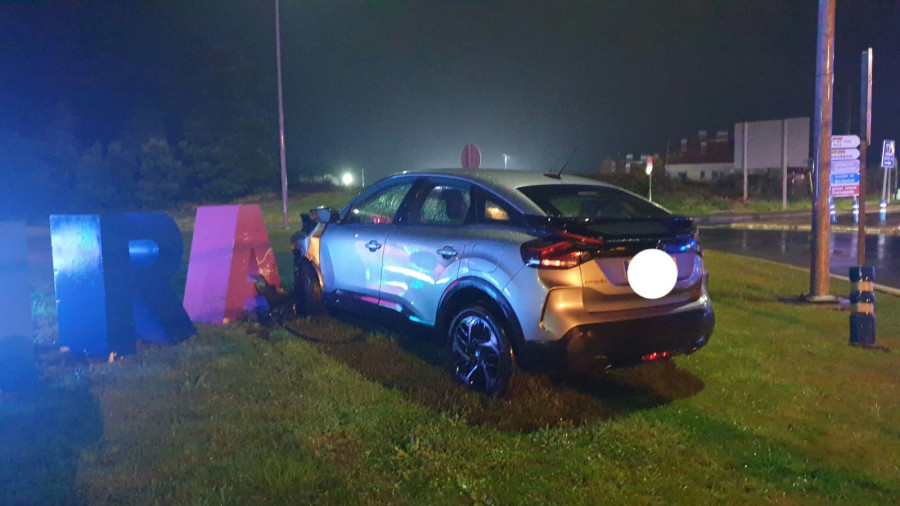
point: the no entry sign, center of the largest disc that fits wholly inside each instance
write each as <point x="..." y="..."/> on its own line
<point x="471" y="157"/>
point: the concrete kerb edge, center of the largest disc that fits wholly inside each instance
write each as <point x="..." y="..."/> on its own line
<point x="807" y="228"/>
<point x="881" y="288"/>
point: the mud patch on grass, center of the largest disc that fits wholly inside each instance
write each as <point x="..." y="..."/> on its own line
<point x="402" y="360"/>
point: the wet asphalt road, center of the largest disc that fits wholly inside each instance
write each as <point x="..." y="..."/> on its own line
<point x="791" y="247"/>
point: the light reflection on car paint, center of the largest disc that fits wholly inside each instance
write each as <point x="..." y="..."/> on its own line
<point x="399" y="284"/>
<point x="421" y="276"/>
<point x="369" y="299"/>
<point x="391" y="305"/>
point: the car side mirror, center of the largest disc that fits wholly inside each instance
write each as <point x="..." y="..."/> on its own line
<point x="324" y="214"/>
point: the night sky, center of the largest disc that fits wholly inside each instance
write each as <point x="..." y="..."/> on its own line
<point x="389" y="86"/>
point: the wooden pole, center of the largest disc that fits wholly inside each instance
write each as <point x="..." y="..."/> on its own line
<point x="819" y="281"/>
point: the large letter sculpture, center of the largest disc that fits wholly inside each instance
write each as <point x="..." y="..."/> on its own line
<point x="113" y="277"/>
<point x="229" y="249"/>
<point x="16" y="332"/>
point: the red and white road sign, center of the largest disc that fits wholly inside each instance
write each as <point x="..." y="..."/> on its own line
<point x="844" y="141"/>
<point x="849" y="190"/>
<point x="471" y="157"/>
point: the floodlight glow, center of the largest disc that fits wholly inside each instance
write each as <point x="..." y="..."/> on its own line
<point x="652" y="273"/>
<point x="347" y="179"/>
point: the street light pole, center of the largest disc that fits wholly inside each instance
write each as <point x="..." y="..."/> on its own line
<point x="284" y="193"/>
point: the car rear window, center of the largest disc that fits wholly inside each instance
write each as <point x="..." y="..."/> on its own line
<point x="590" y="202"/>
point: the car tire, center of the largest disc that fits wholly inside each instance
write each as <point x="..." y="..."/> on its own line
<point x="308" y="291"/>
<point x="479" y="353"/>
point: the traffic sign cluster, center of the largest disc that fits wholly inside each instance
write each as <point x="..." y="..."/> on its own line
<point x="844" y="166"/>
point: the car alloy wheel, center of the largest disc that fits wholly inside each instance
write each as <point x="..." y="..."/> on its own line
<point x="480" y="355"/>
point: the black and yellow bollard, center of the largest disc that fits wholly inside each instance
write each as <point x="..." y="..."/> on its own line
<point x="862" y="306"/>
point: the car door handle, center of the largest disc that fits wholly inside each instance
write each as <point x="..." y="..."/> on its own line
<point x="373" y="245"/>
<point x="447" y="252"/>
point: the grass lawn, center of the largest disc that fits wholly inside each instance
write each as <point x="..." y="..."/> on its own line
<point x="777" y="408"/>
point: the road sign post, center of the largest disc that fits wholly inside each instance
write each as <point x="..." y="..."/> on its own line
<point x="865" y="135"/>
<point x="887" y="163"/>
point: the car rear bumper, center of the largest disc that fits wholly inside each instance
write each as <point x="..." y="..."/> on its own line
<point x="623" y="343"/>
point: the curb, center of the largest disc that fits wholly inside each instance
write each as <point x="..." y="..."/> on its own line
<point x="881" y="288"/>
<point x="767" y="217"/>
<point x="840" y="229"/>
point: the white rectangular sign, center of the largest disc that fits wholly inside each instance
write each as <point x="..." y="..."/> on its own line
<point x="844" y="141"/>
<point x="844" y="166"/>
<point x="844" y="154"/>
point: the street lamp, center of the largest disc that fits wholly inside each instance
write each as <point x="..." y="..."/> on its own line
<point x="347" y="179"/>
<point x="284" y="190"/>
<point x="505" y="160"/>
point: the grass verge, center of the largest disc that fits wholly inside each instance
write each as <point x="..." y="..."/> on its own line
<point x="777" y="408"/>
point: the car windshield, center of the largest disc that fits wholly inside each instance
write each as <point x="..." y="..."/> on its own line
<point x="591" y="202"/>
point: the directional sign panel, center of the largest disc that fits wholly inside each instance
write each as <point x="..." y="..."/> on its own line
<point x="839" y="166"/>
<point x="844" y="179"/>
<point x="845" y="191"/>
<point x="844" y="141"/>
<point x="845" y="154"/>
<point x="887" y="154"/>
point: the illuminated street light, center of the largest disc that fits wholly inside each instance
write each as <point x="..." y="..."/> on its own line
<point x="505" y="160"/>
<point x="347" y="179"/>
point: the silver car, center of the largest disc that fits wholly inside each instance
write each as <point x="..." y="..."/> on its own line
<point x="510" y="268"/>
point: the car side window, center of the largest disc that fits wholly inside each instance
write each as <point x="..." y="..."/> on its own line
<point x="443" y="205"/>
<point x="379" y="209"/>
<point x="494" y="212"/>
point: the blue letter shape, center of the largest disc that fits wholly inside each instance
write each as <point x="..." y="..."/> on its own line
<point x="149" y="248"/>
<point x="17" y="331"/>
<point x="81" y="307"/>
<point x="113" y="281"/>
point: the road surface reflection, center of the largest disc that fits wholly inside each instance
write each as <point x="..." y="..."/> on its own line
<point x="793" y="248"/>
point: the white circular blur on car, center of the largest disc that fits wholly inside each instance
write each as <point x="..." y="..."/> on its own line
<point x="652" y="273"/>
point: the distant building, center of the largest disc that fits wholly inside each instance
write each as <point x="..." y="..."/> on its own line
<point x="702" y="159"/>
<point x="770" y="145"/>
<point x="627" y="165"/>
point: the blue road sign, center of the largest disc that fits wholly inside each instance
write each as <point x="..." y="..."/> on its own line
<point x="842" y="179"/>
<point x="887" y="154"/>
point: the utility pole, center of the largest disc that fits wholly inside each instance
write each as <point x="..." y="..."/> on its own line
<point x="284" y="193"/>
<point x="818" y="282"/>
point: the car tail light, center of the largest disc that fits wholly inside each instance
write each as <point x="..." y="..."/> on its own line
<point x="553" y="255"/>
<point x="656" y="355"/>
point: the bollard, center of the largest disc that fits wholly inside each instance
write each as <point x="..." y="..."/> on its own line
<point x="832" y="210"/>
<point x="862" y="306"/>
<point x="855" y="211"/>
<point x="882" y="210"/>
